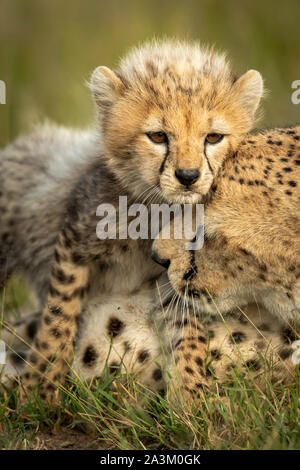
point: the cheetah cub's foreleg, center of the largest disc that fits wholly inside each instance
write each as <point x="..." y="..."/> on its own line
<point x="186" y="374"/>
<point x="52" y="350"/>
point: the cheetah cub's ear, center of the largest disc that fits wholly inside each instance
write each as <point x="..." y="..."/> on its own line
<point x="249" y="89"/>
<point x="105" y="86"/>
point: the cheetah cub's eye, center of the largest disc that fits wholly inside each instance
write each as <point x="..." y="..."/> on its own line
<point x="158" y="137"/>
<point x="214" y="138"/>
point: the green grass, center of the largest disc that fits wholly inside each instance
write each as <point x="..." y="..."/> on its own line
<point x="118" y="414"/>
<point x="14" y="296"/>
<point x="48" y="50"/>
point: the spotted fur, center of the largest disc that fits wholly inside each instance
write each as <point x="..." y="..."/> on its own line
<point x="163" y="351"/>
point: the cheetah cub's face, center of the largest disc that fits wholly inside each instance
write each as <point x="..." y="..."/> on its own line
<point x="170" y="115"/>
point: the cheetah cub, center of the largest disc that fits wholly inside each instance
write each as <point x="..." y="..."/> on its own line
<point x="167" y="118"/>
<point x="251" y="250"/>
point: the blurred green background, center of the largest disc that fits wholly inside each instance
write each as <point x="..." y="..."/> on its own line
<point x="48" y="49"/>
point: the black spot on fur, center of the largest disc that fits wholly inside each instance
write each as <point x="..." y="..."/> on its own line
<point x="190" y="275"/>
<point x="113" y="367"/>
<point x="216" y="355"/>
<point x="78" y="259"/>
<point x="181" y="324"/>
<point x="33" y="358"/>
<point x="253" y="364"/>
<point x="67" y="332"/>
<point x="200" y="385"/>
<point x="80" y="292"/>
<point x="55" y="310"/>
<point x="199" y="361"/>
<point x="237" y="337"/>
<point x="157" y="375"/>
<point x="143" y="356"/>
<point x="202" y="339"/>
<point x="56" y="256"/>
<point x="32" y="328"/>
<point x="264" y="327"/>
<point x="243" y="320"/>
<point x="192" y="293"/>
<point x="285" y="353"/>
<point x="263" y="267"/>
<point x="210" y="371"/>
<point x="90" y="355"/>
<point x="50" y="387"/>
<point x="288" y="335"/>
<point x="62" y="277"/>
<point x="55" y="332"/>
<point x="211" y="334"/>
<point x="42" y="367"/>
<point x="18" y="357"/>
<point x="114" y="326"/>
<point x="178" y="343"/>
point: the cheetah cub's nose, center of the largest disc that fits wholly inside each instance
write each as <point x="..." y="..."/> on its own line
<point x="163" y="262"/>
<point x="187" y="177"/>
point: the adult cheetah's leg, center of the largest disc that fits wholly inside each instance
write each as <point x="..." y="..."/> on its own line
<point x="52" y="350"/>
